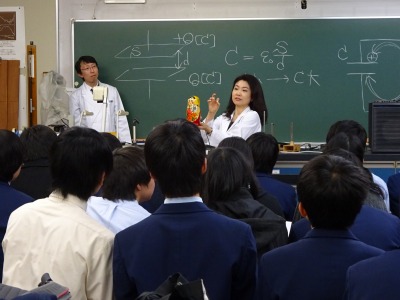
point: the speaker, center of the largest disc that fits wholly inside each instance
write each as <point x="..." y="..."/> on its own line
<point x="384" y="126"/>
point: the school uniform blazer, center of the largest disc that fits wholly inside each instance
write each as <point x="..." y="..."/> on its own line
<point x="191" y="239"/>
<point x="312" y="268"/>
<point x="393" y="185"/>
<point x="375" y="278"/>
<point x="285" y="193"/>
<point x="10" y="200"/>
<point x="371" y="226"/>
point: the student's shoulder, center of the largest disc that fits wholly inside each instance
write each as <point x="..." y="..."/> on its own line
<point x="20" y="197"/>
<point x="394" y="179"/>
<point x="282" y="253"/>
<point x="368" y="212"/>
<point x="216" y="220"/>
<point x="280" y="183"/>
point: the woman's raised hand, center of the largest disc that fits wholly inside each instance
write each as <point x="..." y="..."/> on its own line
<point x="213" y="104"/>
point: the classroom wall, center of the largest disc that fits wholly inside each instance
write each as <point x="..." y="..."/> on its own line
<point x="40" y="27"/>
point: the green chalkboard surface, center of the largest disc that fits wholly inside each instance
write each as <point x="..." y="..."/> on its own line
<point x="313" y="71"/>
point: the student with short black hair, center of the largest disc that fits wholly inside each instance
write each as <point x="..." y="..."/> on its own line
<point x="128" y="184"/>
<point x="265" y="151"/>
<point x="55" y="235"/>
<point x="373" y="225"/>
<point x="331" y="191"/>
<point x="37" y="141"/>
<point x="183" y="235"/>
<point x="11" y="159"/>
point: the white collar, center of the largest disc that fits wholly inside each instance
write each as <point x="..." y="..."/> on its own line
<point x="183" y="200"/>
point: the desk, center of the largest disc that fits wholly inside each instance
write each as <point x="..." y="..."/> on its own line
<point x="289" y="165"/>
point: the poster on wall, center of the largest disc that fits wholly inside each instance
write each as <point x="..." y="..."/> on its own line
<point x="8" y="25"/>
<point x="12" y="47"/>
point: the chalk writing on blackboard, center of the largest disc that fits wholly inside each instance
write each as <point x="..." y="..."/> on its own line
<point x="153" y="62"/>
<point x="370" y="50"/>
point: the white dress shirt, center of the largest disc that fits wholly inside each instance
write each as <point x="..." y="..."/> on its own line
<point x="55" y="235"/>
<point x="117" y="215"/>
<point x="382" y="184"/>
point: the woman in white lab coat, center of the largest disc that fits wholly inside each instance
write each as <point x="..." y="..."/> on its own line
<point x="245" y="114"/>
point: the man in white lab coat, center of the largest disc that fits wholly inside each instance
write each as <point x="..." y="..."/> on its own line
<point x="81" y="102"/>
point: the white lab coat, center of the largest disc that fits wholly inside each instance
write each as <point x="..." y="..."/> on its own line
<point x="82" y="99"/>
<point x="247" y="123"/>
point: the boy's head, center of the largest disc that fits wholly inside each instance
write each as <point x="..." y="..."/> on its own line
<point x="175" y="155"/>
<point x="265" y="150"/>
<point x="80" y="158"/>
<point x="11" y="155"/>
<point x="37" y="141"/>
<point x="331" y="191"/>
<point x="130" y="178"/>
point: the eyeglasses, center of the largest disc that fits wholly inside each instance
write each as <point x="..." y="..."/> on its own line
<point x="89" y="68"/>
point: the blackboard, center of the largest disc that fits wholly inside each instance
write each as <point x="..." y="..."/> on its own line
<point x="313" y="71"/>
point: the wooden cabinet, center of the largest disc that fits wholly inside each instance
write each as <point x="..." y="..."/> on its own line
<point x="9" y="94"/>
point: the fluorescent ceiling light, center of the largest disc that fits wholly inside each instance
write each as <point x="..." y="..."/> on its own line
<point x="124" y="1"/>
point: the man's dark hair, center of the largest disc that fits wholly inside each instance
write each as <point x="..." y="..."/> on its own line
<point x="265" y="150"/>
<point x="175" y="155"/>
<point x="112" y="140"/>
<point x="11" y="154"/>
<point x="228" y="171"/>
<point x="349" y="127"/>
<point x="37" y="141"/>
<point x="78" y="159"/>
<point x="85" y="59"/>
<point x="129" y="170"/>
<point x="331" y="190"/>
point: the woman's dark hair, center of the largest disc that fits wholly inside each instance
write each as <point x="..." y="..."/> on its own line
<point x="37" y="141"/>
<point x="228" y="171"/>
<point x="11" y="154"/>
<point x="257" y="97"/>
<point x="129" y="170"/>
